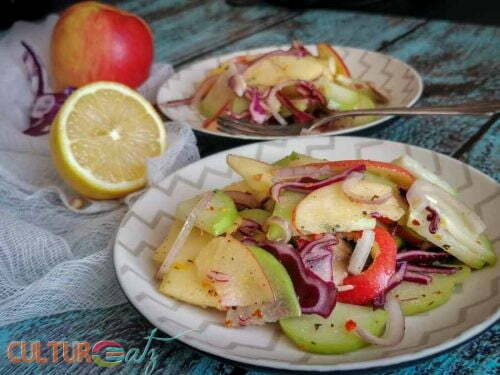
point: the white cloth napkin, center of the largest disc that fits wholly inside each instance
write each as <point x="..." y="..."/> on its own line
<point x="53" y="257"/>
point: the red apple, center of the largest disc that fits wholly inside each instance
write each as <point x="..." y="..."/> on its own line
<point x="98" y="42"/>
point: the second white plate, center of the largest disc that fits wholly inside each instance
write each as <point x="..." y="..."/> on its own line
<point x="402" y="83"/>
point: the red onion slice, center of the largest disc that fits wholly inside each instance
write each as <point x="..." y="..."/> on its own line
<point x="293" y="173"/>
<point x="284" y="225"/>
<point x="318" y="256"/>
<point x="394" y="281"/>
<point x="184" y="233"/>
<point x="218" y="277"/>
<point x="349" y="185"/>
<point x="395" y="327"/>
<point x="37" y="75"/>
<point x="306" y="187"/>
<point x="308" y="90"/>
<point x="433" y="219"/>
<point x="46" y="105"/>
<point x="417" y="278"/>
<point x="300" y="116"/>
<point x="361" y="252"/>
<point x="273" y="102"/>
<point x="446" y="270"/>
<point x="242" y="199"/>
<point x="420" y="256"/>
<point x="249" y="227"/>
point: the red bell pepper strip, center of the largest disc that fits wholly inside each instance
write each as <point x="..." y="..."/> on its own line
<point x="371" y="282"/>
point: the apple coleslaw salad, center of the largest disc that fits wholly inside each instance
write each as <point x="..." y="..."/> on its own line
<point x="337" y="253"/>
<point x="282" y="87"/>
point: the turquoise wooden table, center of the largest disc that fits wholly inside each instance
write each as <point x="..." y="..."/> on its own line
<point x="458" y="62"/>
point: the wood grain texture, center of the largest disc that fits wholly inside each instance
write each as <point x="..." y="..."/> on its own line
<point x="485" y="153"/>
<point x="184" y="30"/>
<point x="458" y="63"/>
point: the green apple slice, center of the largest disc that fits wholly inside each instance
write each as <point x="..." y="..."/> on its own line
<point x="284" y="209"/>
<point x="296" y="159"/>
<point x="280" y="281"/>
<point x="217" y="218"/>
<point x="417" y="298"/>
<point x="315" y="334"/>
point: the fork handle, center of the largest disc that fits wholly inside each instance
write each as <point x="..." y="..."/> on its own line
<point x="487" y="109"/>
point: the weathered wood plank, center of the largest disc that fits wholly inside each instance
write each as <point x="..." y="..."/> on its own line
<point x="458" y="63"/>
<point x="336" y="27"/>
<point x="485" y="153"/>
<point x="184" y="29"/>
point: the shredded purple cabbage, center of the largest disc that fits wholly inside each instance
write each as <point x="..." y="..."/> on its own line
<point x="258" y="111"/>
<point x="316" y="296"/>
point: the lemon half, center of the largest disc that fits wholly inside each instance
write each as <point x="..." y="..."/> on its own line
<point x="102" y="137"/>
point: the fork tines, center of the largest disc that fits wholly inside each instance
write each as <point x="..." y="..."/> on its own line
<point x="232" y="126"/>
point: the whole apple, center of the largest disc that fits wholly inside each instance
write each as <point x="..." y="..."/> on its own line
<point x="98" y="42"/>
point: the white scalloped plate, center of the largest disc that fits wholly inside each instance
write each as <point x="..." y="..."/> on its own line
<point x="402" y="83"/>
<point x="472" y="308"/>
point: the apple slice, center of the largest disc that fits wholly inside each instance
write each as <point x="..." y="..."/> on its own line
<point x="284" y="209"/>
<point x="326" y="51"/>
<point x="392" y="172"/>
<point x="217" y="218"/>
<point x="419" y="298"/>
<point x="272" y="70"/>
<point x="329" y="209"/>
<point x="233" y="272"/>
<point x="335" y="334"/>
<point x="281" y="283"/>
<point x="257" y="174"/>
<point x="217" y="97"/>
<point x="182" y="281"/>
<point x="295" y="159"/>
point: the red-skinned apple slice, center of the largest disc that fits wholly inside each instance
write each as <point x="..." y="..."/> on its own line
<point x="325" y="51"/>
<point x="329" y="209"/>
<point x="392" y="172"/>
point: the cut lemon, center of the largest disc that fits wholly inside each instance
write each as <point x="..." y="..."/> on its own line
<point x="102" y="137"/>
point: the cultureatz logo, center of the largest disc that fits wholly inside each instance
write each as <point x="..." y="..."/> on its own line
<point x="106" y="353"/>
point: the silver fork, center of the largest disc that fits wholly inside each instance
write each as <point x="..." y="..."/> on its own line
<point x="232" y="126"/>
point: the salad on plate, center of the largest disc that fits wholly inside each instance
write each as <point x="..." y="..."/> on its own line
<point x="281" y="87"/>
<point x="338" y="253"/>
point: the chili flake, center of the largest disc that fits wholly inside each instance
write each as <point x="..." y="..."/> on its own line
<point x="350" y="325"/>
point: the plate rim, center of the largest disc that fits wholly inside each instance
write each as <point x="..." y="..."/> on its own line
<point x="380" y="363"/>
<point x="420" y="89"/>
